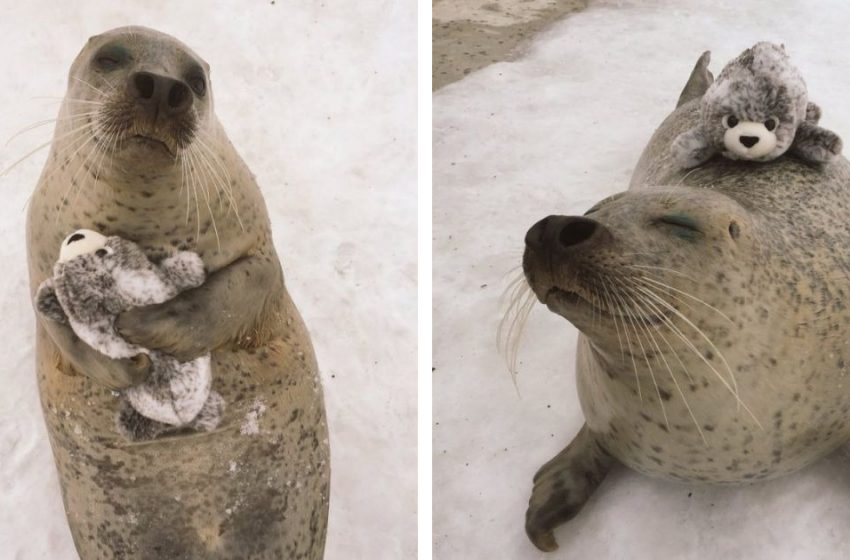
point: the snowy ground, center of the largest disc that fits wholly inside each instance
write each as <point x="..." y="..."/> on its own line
<point x="320" y="100"/>
<point x="555" y="132"/>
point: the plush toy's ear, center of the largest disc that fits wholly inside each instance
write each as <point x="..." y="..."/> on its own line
<point x="81" y="242"/>
<point x="691" y="148"/>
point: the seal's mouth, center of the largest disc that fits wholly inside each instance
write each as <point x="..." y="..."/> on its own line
<point x="150" y="143"/>
<point x="567" y="302"/>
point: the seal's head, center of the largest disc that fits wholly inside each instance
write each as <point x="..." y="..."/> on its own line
<point x="647" y="270"/>
<point x="754" y="108"/>
<point x="143" y="91"/>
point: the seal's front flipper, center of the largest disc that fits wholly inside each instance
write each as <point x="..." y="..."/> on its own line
<point x="563" y="485"/>
<point x="816" y="144"/>
<point x="699" y="81"/>
<point x="48" y="304"/>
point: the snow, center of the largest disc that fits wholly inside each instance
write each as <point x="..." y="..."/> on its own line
<point x="554" y="132"/>
<point x="319" y="99"/>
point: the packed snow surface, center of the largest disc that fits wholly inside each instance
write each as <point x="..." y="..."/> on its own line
<point x="552" y="133"/>
<point x="320" y="100"/>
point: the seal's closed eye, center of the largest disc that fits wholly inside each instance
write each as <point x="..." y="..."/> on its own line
<point x="681" y="225"/>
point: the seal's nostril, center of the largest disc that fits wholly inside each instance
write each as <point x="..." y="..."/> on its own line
<point x="178" y="95"/>
<point x="144" y="85"/>
<point x="749" y="141"/>
<point x="576" y="231"/>
<point x="534" y="237"/>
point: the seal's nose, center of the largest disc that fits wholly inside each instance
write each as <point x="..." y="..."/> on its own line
<point x="749" y="141"/>
<point x="561" y="232"/>
<point x="160" y="93"/>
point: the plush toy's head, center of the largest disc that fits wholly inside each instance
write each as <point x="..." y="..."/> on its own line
<point x="109" y="252"/>
<point x="753" y="109"/>
<point x="81" y="242"/>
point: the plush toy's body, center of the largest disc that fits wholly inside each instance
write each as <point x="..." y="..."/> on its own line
<point x="98" y="277"/>
<point x="756" y="110"/>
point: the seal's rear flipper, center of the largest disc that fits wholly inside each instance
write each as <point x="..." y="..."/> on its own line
<point x="699" y="81"/>
<point x="563" y="485"/>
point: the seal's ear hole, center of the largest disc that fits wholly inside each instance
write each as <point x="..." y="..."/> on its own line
<point x="75" y="237"/>
<point x="734" y="230"/>
<point x="101" y="252"/>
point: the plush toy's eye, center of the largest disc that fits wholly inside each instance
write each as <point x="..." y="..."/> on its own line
<point x="770" y="123"/>
<point x="730" y="121"/>
<point x="101" y="252"/>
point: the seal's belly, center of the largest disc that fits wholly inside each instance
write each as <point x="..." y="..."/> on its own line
<point x="797" y="428"/>
<point x="257" y="487"/>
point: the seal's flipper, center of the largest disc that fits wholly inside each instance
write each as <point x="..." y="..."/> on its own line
<point x="816" y="144"/>
<point x="699" y="81"/>
<point x="563" y="485"/>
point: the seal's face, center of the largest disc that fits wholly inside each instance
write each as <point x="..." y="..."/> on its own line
<point x="145" y="93"/>
<point x="639" y="271"/>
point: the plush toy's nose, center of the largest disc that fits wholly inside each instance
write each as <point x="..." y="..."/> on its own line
<point x="749" y="141"/>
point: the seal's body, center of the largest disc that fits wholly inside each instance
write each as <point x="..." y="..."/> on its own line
<point x="713" y="318"/>
<point x="138" y="153"/>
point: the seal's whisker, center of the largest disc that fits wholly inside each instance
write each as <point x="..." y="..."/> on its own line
<point x="192" y="158"/>
<point x="100" y="91"/>
<point x="36" y="150"/>
<point x="667" y="364"/>
<point x="95" y="154"/>
<point x="512" y="325"/>
<point x="624" y="309"/>
<point x="44" y="123"/>
<point x="226" y="180"/>
<point x="670" y="270"/>
<point x="648" y="364"/>
<point x="218" y="181"/>
<point x="608" y="303"/>
<point x="693" y="297"/>
<point x="733" y="388"/>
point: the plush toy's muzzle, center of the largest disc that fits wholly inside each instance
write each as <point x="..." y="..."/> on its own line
<point x="749" y="140"/>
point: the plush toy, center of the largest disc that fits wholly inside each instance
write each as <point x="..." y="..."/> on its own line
<point x="756" y="110"/>
<point x="98" y="277"/>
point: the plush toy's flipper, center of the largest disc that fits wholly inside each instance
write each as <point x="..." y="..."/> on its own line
<point x="135" y="427"/>
<point x="812" y="113"/>
<point x="184" y="270"/>
<point x="692" y="148"/>
<point x="816" y="144"/>
<point x="48" y="304"/>
<point x="699" y="81"/>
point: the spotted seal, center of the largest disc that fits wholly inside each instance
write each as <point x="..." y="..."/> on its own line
<point x="713" y="321"/>
<point x="139" y="153"/>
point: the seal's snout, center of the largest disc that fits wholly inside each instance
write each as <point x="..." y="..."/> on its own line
<point x="562" y="232"/>
<point x="160" y="94"/>
<point x="749" y="141"/>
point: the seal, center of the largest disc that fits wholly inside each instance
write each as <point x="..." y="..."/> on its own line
<point x="139" y="153"/>
<point x="711" y="306"/>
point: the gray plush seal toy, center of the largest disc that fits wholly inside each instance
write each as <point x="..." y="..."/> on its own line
<point x="756" y="110"/>
<point x="98" y="277"/>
